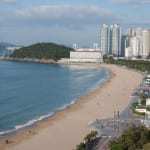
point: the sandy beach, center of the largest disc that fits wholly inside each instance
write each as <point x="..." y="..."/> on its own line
<point x="67" y="128"/>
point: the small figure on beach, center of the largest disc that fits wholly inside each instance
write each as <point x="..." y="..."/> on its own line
<point x="7" y="141"/>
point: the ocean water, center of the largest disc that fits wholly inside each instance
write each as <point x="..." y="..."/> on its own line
<point x="30" y="92"/>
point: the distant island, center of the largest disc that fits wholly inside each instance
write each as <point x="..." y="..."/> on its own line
<point x="46" y="51"/>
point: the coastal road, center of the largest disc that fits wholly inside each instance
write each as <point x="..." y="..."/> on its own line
<point x="126" y="119"/>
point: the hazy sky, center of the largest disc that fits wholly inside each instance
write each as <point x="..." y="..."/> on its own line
<point x="67" y="21"/>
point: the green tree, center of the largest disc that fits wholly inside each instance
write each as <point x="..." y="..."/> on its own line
<point x="132" y="139"/>
<point x="140" y="65"/>
<point x="91" y="136"/>
<point x="81" y="146"/>
<point x="88" y="141"/>
<point x="116" y="146"/>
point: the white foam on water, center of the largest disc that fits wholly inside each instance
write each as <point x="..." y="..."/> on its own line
<point x="65" y="106"/>
<point x="27" y="124"/>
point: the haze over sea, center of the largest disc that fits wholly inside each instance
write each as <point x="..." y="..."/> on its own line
<point x="30" y="92"/>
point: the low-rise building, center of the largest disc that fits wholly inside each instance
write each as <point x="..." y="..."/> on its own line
<point x="128" y="52"/>
<point x="148" y="102"/>
<point x="86" y="55"/>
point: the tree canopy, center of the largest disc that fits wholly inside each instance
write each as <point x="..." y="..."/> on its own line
<point x="140" y="65"/>
<point x="43" y="51"/>
<point x="132" y="139"/>
<point x="89" y="141"/>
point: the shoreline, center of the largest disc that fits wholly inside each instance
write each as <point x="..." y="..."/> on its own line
<point x="30" y="60"/>
<point x="62" y="61"/>
<point x="33" y="122"/>
<point x="36" y="125"/>
<point x="27" y="135"/>
<point x="9" y="134"/>
<point x="31" y="130"/>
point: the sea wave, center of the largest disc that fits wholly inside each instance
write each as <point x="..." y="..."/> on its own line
<point x="27" y="124"/>
<point x="66" y="106"/>
<point x="33" y="121"/>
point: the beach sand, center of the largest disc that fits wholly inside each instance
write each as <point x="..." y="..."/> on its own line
<point x="67" y="128"/>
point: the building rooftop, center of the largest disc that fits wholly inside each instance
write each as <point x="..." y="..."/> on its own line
<point x="87" y="50"/>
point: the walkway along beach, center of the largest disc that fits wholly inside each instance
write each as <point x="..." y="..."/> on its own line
<point x="67" y="128"/>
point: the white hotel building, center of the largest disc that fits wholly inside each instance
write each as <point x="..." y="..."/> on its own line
<point x="86" y="55"/>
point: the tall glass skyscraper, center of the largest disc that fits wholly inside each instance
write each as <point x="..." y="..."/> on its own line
<point x="111" y="40"/>
<point x="105" y="38"/>
<point x="115" y="40"/>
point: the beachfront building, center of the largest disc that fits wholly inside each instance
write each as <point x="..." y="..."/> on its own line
<point x="146" y="43"/>
<point x="148" y="102"/>
<point x="132" y="32"/>
<point x="135" y="46"/>
<point x="123" y="45"/>
<point x="138" y="41"/>
<point x="128" y="52"/>
<point x="134" y="43"/>
<point x="86" y="55"/>
<point x="115" y="45"/>
<point x="110" y="40"/>
<point x="105" y="39"/>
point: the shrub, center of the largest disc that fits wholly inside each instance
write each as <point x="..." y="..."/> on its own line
<point x="133" y="138"/>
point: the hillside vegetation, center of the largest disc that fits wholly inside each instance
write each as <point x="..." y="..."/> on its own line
<point x="43" y="51"/>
